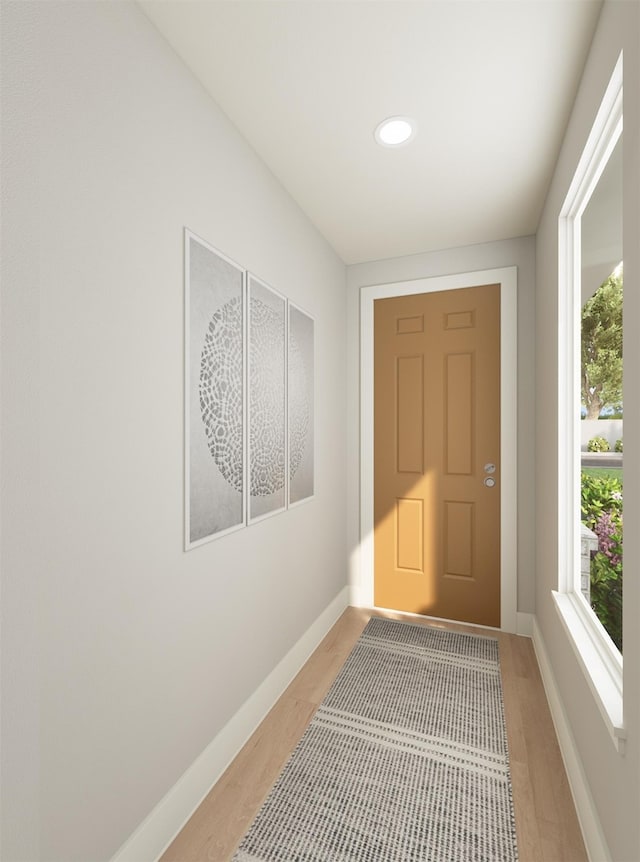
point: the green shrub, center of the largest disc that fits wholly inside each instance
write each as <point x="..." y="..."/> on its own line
<point x="599" y="494"/>
<point x="598" y="444"/>
<point x="606" y="595"/>
<point x="618" y="446"/>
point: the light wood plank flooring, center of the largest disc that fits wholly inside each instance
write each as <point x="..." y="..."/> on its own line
<point x="546" y="821"/>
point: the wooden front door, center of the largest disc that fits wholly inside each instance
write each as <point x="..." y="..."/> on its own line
<point x="436" y="454"/>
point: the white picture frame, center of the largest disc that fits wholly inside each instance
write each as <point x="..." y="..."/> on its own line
<point x="214" y="393"/>
<point x="266" y="400"/>
<point x="300" y="406"/>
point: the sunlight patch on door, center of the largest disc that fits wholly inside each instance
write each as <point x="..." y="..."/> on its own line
<point x="410" y="414"/>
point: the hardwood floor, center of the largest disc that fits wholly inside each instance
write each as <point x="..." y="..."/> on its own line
<point x="546" y="821"/>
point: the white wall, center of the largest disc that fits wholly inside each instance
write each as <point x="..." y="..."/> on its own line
<point x="612" y="779"/>
<point x="610" y="429"/>
<point x="515" y="252"/>
<point x="122" y="655"/>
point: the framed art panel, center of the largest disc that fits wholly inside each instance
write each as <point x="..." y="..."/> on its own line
<point x="300" y="403"/>
<point x="267" y="388"/>
<point x="214" y="393"/>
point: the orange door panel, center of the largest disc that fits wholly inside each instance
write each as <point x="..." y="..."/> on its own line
<point x="436" y="454"/>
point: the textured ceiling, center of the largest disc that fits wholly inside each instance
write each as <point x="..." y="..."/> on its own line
<point x="489" y="82"/>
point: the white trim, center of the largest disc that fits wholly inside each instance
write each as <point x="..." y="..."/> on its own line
<point x="287" y="411"/>
<point x="246" y="481"/>
<point x="603" y="137"/>
<point x="298" y="308"/>
<point x="600" y="661"/>
<point x="507" y="278"/>
<point x="597" y="656"/>
<point x="356" y="597"/>
<point x="595" y="843"/>
<point x="161" y="826"/>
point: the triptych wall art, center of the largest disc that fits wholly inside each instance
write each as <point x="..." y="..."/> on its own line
<point x="249" y="418"/>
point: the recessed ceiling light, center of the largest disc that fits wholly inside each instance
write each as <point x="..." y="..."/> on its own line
<point x="395" y="131"/>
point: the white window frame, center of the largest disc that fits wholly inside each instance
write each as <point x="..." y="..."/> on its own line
<point x="598" y="656"/>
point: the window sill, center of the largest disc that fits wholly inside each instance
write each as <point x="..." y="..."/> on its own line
<point x="600" y="661"/>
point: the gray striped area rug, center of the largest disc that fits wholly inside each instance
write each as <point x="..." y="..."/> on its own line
<point x="405" y="759"/>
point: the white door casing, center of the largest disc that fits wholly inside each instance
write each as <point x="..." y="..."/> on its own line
<point x="507" y="278"/>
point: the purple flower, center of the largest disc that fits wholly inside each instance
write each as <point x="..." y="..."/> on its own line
<point x="609" y="540"/>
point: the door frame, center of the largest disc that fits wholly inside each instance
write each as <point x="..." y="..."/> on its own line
<point x="507" y="278"/>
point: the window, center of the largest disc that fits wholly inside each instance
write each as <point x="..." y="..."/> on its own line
<point x="590" y="273"/>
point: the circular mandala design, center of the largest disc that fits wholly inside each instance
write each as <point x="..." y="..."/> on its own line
<point x="220" y="390"/>
<point x="266" y="389"/>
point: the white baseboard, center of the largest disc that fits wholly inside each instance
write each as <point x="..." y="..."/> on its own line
<point x="524" y="624"/>
<point x="357" y="597"/>
<point x="596" y="845"/>
<point x="160" y="827"/>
